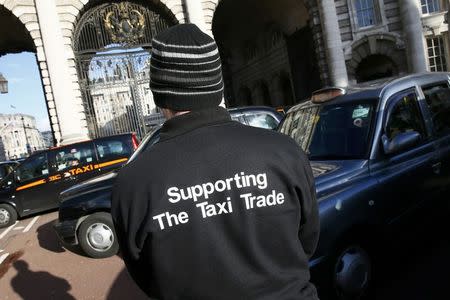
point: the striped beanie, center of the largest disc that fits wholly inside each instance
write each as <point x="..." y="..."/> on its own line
<point x="185" y="69"/>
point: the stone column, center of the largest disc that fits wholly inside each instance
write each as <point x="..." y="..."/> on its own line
<point x="194" y="11"/>
<point x="410" y="14"/>
<point x="69" y="118"/>
<point x="333" y="43"/>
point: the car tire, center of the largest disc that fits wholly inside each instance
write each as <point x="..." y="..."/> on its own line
<point x="97" y="237"/>
<point x="8" y="215"/>
<point x="350" y="272"/>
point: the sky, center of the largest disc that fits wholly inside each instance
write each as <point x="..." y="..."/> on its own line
<point x="25" y="91"/>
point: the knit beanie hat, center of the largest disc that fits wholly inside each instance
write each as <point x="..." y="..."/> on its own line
<point x="185" y="69"/>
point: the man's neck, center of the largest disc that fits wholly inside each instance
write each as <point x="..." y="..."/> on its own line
<point x="195" y="119"/>
<point x="169" y="114"/>
<point x="179" y="113"/>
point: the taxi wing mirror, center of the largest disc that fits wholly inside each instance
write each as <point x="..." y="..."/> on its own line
<point x="400" y="142"/>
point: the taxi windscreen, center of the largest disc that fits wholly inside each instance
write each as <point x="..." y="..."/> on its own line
<point x="334" y="131"/>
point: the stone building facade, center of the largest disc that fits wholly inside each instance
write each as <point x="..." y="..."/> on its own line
<point x="273" y="52"/>
<point x="19" y="136"/>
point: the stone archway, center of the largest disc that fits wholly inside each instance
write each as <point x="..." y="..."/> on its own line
<point x="265" y="38"/>
<point x="71" y="11"/>
<point x="376" y="56"/>
<point x="244" y="96"/>
<point x="19" y="32"/>
<point x="14" y="35"/>
<point x="111" y="43"/>
<point x="286" y="89"/>
<point x="265" y="94"/>
<point x="376" y="66"/>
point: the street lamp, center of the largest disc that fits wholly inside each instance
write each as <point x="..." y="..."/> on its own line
<point x="3" y="84"/>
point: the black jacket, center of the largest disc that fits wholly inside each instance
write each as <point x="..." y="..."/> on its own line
<point x="218" y="210"/>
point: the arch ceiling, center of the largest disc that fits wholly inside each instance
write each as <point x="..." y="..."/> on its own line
<point x="14" y="37"/>
<point x="250" y="16"/>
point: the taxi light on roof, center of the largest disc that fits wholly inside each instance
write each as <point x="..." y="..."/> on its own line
<point x="327" y="94"/>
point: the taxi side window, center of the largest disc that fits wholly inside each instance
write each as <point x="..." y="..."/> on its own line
<point x="262" y="120"/>
<point x="405" y="116"/>
<point x="73" y="156"/>
<point x="112" y="149"/>
<point x="7" y="169"/>
<point x="438" y="100"/>
<point x="32" y="168"/>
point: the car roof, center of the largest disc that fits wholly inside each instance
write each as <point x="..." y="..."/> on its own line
<point x="243" y="109"/>
<point x="235" y="111"/>
<point x="9" y="162"/>
<point x="90" y="140"/>
<point x="373" y="90"/>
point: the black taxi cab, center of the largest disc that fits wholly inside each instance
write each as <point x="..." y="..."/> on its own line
<point x="380" y="154"/>
<point x="34" y="185"/>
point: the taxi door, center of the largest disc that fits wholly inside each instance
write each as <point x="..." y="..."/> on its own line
<point x="70" y="165"/>
<point x="437" y="98"/>
<point x="405" y="175"/>
<point x="31" y="188"/>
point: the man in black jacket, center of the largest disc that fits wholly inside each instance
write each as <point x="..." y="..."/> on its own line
<point x="216" y="209"/>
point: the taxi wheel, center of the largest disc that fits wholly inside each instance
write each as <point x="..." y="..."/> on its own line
<point x="352" y="272"/>
<point x="97" y="237"/>
<point x="8" y="215"/>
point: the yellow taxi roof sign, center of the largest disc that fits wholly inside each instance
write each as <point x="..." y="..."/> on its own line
<point x="327" y="94"/>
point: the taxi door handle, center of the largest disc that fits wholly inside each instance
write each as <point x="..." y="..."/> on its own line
<point x="436" y="168"/>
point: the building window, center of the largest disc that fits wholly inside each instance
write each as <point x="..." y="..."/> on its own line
<point x="430" y="6"/>
<point x="366" y="13"/>
<point x="436" y="54"/>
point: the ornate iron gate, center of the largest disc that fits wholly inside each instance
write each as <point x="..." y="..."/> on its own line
<point x="116" y="92"/>
<point x="111" y="44"/>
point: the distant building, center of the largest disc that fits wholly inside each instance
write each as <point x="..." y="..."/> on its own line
<point x="19" y="136"/>
<point x="48" y="139"/>
<point x="2" y="151"/>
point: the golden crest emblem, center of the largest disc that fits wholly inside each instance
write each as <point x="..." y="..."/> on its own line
<point x="124" y="24"/>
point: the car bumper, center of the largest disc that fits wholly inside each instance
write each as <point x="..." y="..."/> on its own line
<point x="66" y="231"/>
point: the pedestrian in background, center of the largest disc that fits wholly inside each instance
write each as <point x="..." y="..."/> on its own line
<point x="215" y="209"/>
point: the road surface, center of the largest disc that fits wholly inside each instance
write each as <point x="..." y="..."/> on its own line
<point x="34" y="265"/>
